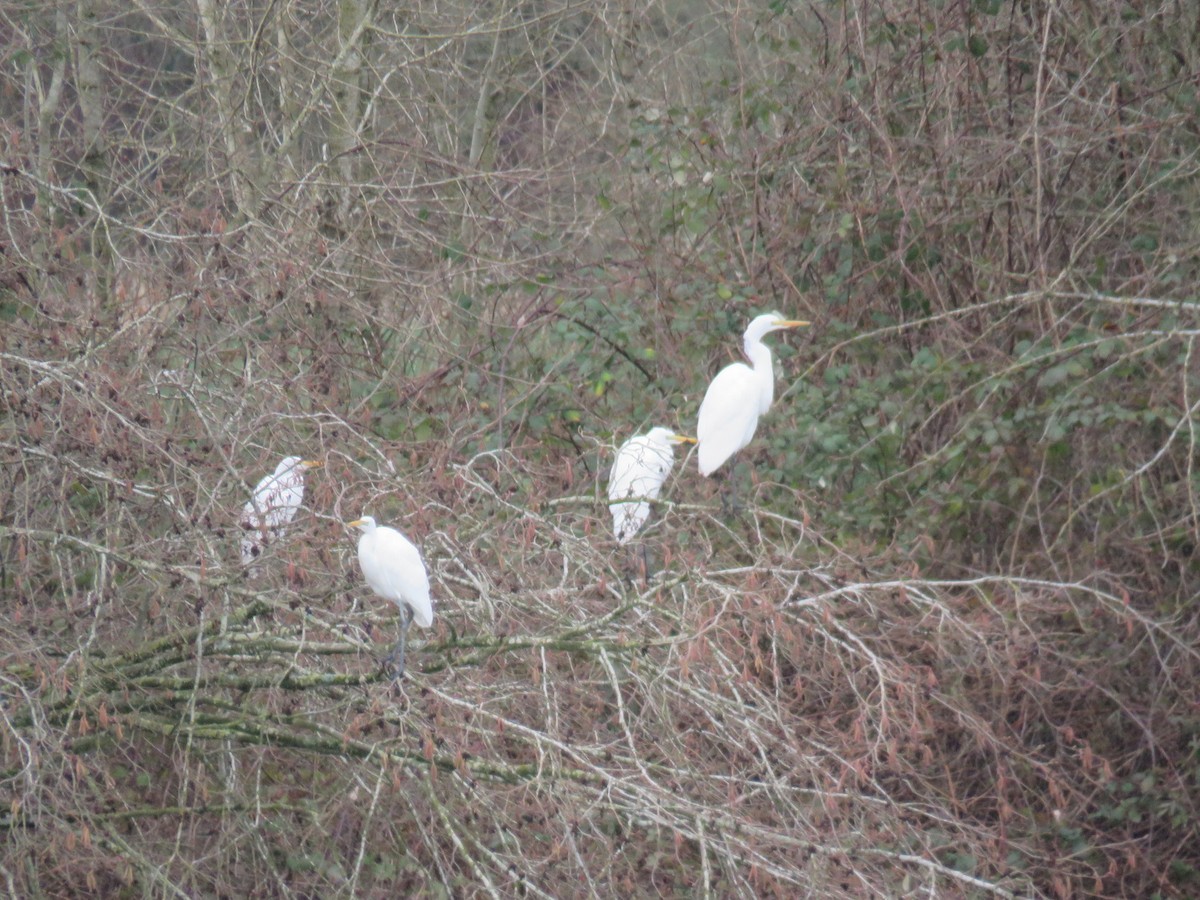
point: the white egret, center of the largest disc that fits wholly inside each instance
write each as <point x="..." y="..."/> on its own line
<point x="393" y="568"/>
<point x="272" y="506"/>
<point x="642" y="465"/>
<point x="738" y="396"/>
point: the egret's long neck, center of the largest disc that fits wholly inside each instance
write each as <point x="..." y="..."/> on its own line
<point x="759" y="355"/>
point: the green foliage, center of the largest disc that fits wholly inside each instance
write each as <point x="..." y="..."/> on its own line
<point x="925" y="443"/>
<point x="1141" y="800"/>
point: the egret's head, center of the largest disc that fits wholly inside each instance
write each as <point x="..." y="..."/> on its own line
<point x="772" y="321"/>
<point x="765" y="324"/>
<point x="366" y="523"/>
<point x="665" y="437"/>
<point x="290" y="462"/>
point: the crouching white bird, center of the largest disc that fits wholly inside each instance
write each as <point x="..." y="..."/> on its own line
<point x="393" y="568"/>
<point x="738" y="396"/>
<point x="642" y="465"/>
<point x="272" y="506"/>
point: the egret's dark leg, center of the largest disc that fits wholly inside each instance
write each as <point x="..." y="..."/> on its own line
<point x="629" y="565"/>
<point x="396" y="657"/>
<point x="730" y="505"/>
<point x="637" y="564"/>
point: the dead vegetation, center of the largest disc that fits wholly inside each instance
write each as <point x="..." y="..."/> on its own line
<point x="949" y="644"/>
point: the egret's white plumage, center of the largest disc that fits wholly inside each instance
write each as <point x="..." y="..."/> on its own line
<point x="272" y="506"/>
<point x="393" y="568"/>
<point x="738" y="396"/>
<point x="642" y="465"/>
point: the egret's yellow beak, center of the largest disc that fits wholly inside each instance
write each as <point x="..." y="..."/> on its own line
<point x="354" y="524"/>
<point x="792" y="323"/>
<point x="683" y="439"/>
<point x="311" y="463"/>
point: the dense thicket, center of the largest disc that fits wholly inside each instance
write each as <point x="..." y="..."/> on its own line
<point x="459" y="252"/>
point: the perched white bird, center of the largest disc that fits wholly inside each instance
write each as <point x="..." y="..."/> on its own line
<point x="272" y="506"/>
<point x="642" y="465"/>
<point x="738" y="396"/>
<point x="392" y="567"/>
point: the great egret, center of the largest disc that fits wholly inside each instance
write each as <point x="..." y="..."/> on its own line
<point x="738" y="396"/>
<point x="272" y="506"/>
<point x="642" y="465"/>
<point x="393" y="569"/>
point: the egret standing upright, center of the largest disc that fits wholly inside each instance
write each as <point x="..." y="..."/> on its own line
<point x="738" y="396"/>
<point x="393" y="568"/>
